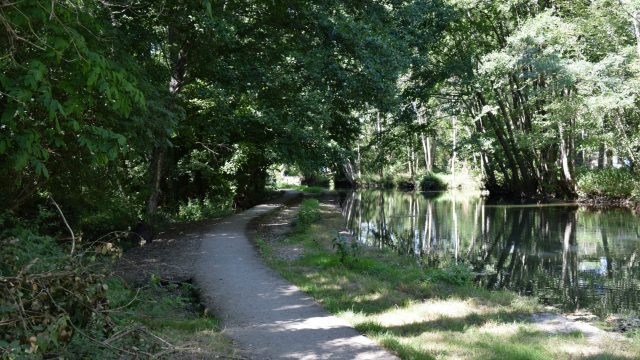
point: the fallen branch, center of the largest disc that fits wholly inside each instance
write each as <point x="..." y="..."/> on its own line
<point x="157" y="337"/>
<point x="73" y="237"/>
<point x="121" y="334"/>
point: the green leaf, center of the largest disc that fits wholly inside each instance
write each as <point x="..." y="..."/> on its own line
<point x="60" y="43"/>
<point x="9" y="114"/>
<point x="41" y="169"/>
<point x="21" y="159"/>
<point x="207" y="7"/>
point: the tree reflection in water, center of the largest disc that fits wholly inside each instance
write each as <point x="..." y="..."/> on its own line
<point x="564" y="254"/>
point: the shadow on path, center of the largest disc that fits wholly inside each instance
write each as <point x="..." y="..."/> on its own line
<point x="268" y="317"/>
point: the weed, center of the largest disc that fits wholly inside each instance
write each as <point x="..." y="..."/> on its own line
<point x="309" y="213"/>
<point x="346" y="248"/>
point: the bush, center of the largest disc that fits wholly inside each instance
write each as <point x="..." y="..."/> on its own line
<point x="318" y="180"/>
<point x="453" y="274"/>
<point x="207" y="208"/>
<point x="369" y="180"/>
<point x="346" y="247"/>
<point x="433" y="182"/>
<point x="612" y="183"/>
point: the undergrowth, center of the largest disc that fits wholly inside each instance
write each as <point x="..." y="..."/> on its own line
<point x="610" y="183"/>
<point x="54" y="304"/>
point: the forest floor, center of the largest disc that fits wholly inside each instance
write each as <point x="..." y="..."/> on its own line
<point x="422" y="315"/>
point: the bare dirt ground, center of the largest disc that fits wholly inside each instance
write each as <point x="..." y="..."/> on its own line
<point x="170" y="256"/>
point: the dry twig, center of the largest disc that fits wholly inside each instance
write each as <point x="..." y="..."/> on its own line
<point x="73" y="237"/>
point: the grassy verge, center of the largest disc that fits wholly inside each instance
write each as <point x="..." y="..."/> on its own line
<point x="421" y="313"/>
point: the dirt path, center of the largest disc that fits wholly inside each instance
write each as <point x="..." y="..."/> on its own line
<point x="268" y="317"/>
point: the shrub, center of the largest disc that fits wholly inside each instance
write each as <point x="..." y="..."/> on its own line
<point x="199" y="209"/>
<point x="432" y="182"/>
<point x="346" y="247"/>
<point x="48" y="297"/>
<point x="457" y="274"/>
<point x="612" y="183"/>
<point x="319" y="180"/>
<point x="309" y="213"/>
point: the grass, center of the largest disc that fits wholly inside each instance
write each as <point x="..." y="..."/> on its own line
<point x="421" y="313"/>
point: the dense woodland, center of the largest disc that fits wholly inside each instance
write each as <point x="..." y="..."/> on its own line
<point x="114" y="111"/>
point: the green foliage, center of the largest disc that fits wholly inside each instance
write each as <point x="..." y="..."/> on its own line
<point x="454" y="274"/>
<point x="207" y="208"/>
<point x="610" y="183"/>
<point x="309" y="212"/>
<point x="346" y="248"/>
<point x="433" y="182"/>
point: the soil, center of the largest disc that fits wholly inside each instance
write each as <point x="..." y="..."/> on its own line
<point x="170" y="256"/>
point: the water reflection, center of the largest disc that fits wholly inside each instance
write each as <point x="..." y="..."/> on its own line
<point x="565" y="255"/>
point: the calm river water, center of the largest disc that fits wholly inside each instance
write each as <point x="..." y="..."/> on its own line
<point x="564" y="254"/>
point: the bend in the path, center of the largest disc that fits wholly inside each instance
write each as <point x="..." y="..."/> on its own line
<point x="268" y="317"/>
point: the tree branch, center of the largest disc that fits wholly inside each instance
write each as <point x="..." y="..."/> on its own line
<point x="73" y="237"/>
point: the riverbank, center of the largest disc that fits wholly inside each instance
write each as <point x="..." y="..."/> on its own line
<point x="607" y="202"/>
<point x="422" y="313"/>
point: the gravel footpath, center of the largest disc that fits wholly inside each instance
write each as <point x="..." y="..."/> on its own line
<point x="266" y="316"/>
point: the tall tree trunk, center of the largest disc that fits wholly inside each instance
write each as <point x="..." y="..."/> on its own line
<point x="349" y="172"/>
<point x="178" y="67"/>
<point x="564" y="156"/>
<point x="380" y="155"/>
<point x="426" y="147"/>
<point x="426" y="141"/>
<point x="410" y="161"/>
<point x="157" y="163"/>
<point x="526" y="169"/>
<point x="359" y="164"/>
<point x="485" y="162"/>
<point x="602" y="157"/>
<point x="503" y="142"/>
<point x="454" y="152"/>
<point x="635" y="18"/>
